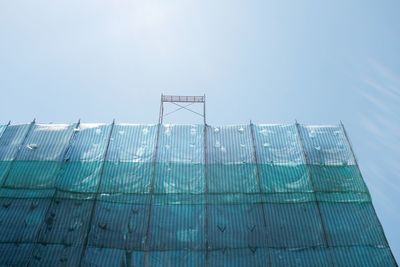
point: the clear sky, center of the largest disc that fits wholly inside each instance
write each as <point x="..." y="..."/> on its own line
<point x="269" y="61"/>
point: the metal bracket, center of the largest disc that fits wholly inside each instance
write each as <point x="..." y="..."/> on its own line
<point x="176" y="100"/>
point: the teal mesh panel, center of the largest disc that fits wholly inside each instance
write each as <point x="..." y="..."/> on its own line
<point x="278" y="144"/>
<point x="181" y="160"/>
<point x="284" y="178"/>
<point x="352" y="224"/>
<point x="238" y="198"/>
<point x="79" y="176"/>
<point x="181" y="144"/>
<point x="119" y="222"/>
<point x="2" y="129"/>
<point x="179" y="178"/>
<point x="337" y="178"/>
<point x="104" y="257"/>
<point x="238" y="257"/>
<point x="288" y="198"/>
<point x="32" y="174"/>
<point x="363" y="256"/>
<point x="303" y="257"/>
<point x="39" y="158"/>
<point x="343" y="197"/>
<point x="129" y="166"/>
<point x="293" y="225"/>
<point x="230" y="144"/>
<point x="126" y="177"/>
<point x="132" y="143"/>
<point x="46" y="142"/>
<point x="67" y="219"/>
<point x="55" y="255"/>
<point x="21" y="218"/>
<point x="178" y="199"/>
<point x="10" y="141"/>
<point x="232" y="178"/>
<point x="175" y="258"/>
<point x="235" y="226"/>
<point x="293" y="208"/>
<point x="84" y="159"/>
<point x="15" y="254"/>
<point x="231" y="160"/>
<point x="326" y="145"/>
<point x="90" y="142"/>
<point x="177" y="227"/>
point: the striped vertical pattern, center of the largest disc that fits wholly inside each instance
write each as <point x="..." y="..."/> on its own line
<point x="293" y="225"/>
<point x="119" y="222"/>
<point x="176" y="258"/>
<point x="105" y="257"/>
<point x="333" y="178"/>
<point x="84" y="158"/>
<point x="236" y="226"/>
<point x="46" y="142"/>
<point x="52" y="216"/>
<point x="303" y="257"/>
<point x="230" y="144"/>
<point x="14" y="254"/>
<point x="352" y="224"/>
<point x="39" y="159"/>
<point x="177" y="227"/>
<point x="363" y="256"/>
<point x="21" y="215"/>
<point x="89" y="143"/>
<point x="278" y="144"/>
<point x="128" y="167"/>
<point x="79" y="176"/>
<point x="132" y="143"/>
<point x="179" y="178"/>
<point x="181" y="144"/>
<point x="66" y="220"/>
<point x="281" y="178"/>
<point x="126" y="177"/>
<point x="231" y="163"/>
<point x="2" y="129"/>
<point x="54" y="255"/>
<point x="326" y="145"/>
<point x="11" y="140"/>
<point x="232" y="178"/>
<point x="239" y="257"/>
<point x="180" y="160"/>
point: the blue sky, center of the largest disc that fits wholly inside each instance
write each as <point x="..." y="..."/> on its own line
<point x="269" y="61"/>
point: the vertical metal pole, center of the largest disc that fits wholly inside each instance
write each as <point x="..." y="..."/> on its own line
<point x="151" y="194"/>
<point x="5" y="128"/>
<point x="358" y="169"/>
<point x="64" y="160"/>
<point x="253" y="138"/>
<point x="17" y="153"/>
<point x="206" y="192"/>
<point x="316" y="199"/>
<point x="86" y="240"/>
<point x="204" y="109"/>
<point x="349" y="143"/>
<point x="161" y="114"/>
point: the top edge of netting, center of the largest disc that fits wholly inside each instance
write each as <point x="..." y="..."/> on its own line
<point x="97" y="124"/>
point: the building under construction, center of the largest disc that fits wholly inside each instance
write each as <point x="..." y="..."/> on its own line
<point x="116" y="194"/>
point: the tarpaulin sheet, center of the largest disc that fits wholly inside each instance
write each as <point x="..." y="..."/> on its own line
<point x="184" y="195"/>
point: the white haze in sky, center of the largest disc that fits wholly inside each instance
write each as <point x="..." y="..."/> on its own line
<point x="269" y="61"/>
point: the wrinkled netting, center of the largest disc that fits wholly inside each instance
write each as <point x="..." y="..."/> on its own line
<point x="184" y="195"/>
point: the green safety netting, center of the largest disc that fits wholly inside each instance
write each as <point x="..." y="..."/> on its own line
<point x="184" y="195"/>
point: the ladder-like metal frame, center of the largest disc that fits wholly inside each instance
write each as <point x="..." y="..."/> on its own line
<point x="178" y="100"/>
